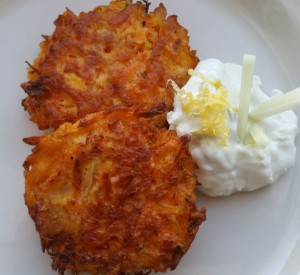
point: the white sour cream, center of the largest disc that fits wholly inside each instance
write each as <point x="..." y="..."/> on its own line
<point x="236" y="167"/>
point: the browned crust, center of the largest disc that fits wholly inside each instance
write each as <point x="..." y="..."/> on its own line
<point x="112" y="194"/>
<point x="116" y="55"/>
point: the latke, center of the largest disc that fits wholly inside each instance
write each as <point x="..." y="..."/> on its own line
<point x="112" y="194"/>
<point x="116" y="55"/>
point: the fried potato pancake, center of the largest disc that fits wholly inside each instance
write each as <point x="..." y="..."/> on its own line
<point x="112" y="194"/>
<point x="116" y="55"/>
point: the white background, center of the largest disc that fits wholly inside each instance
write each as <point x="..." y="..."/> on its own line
<point x="249" y="233"/>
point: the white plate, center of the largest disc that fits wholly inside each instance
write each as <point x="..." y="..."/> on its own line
<point x="253" y="233"/>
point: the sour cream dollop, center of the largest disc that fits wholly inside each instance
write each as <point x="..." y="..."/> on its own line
<point x="235" y="166"/>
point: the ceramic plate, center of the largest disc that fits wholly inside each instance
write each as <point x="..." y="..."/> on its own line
<point x="248" y="233"/>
